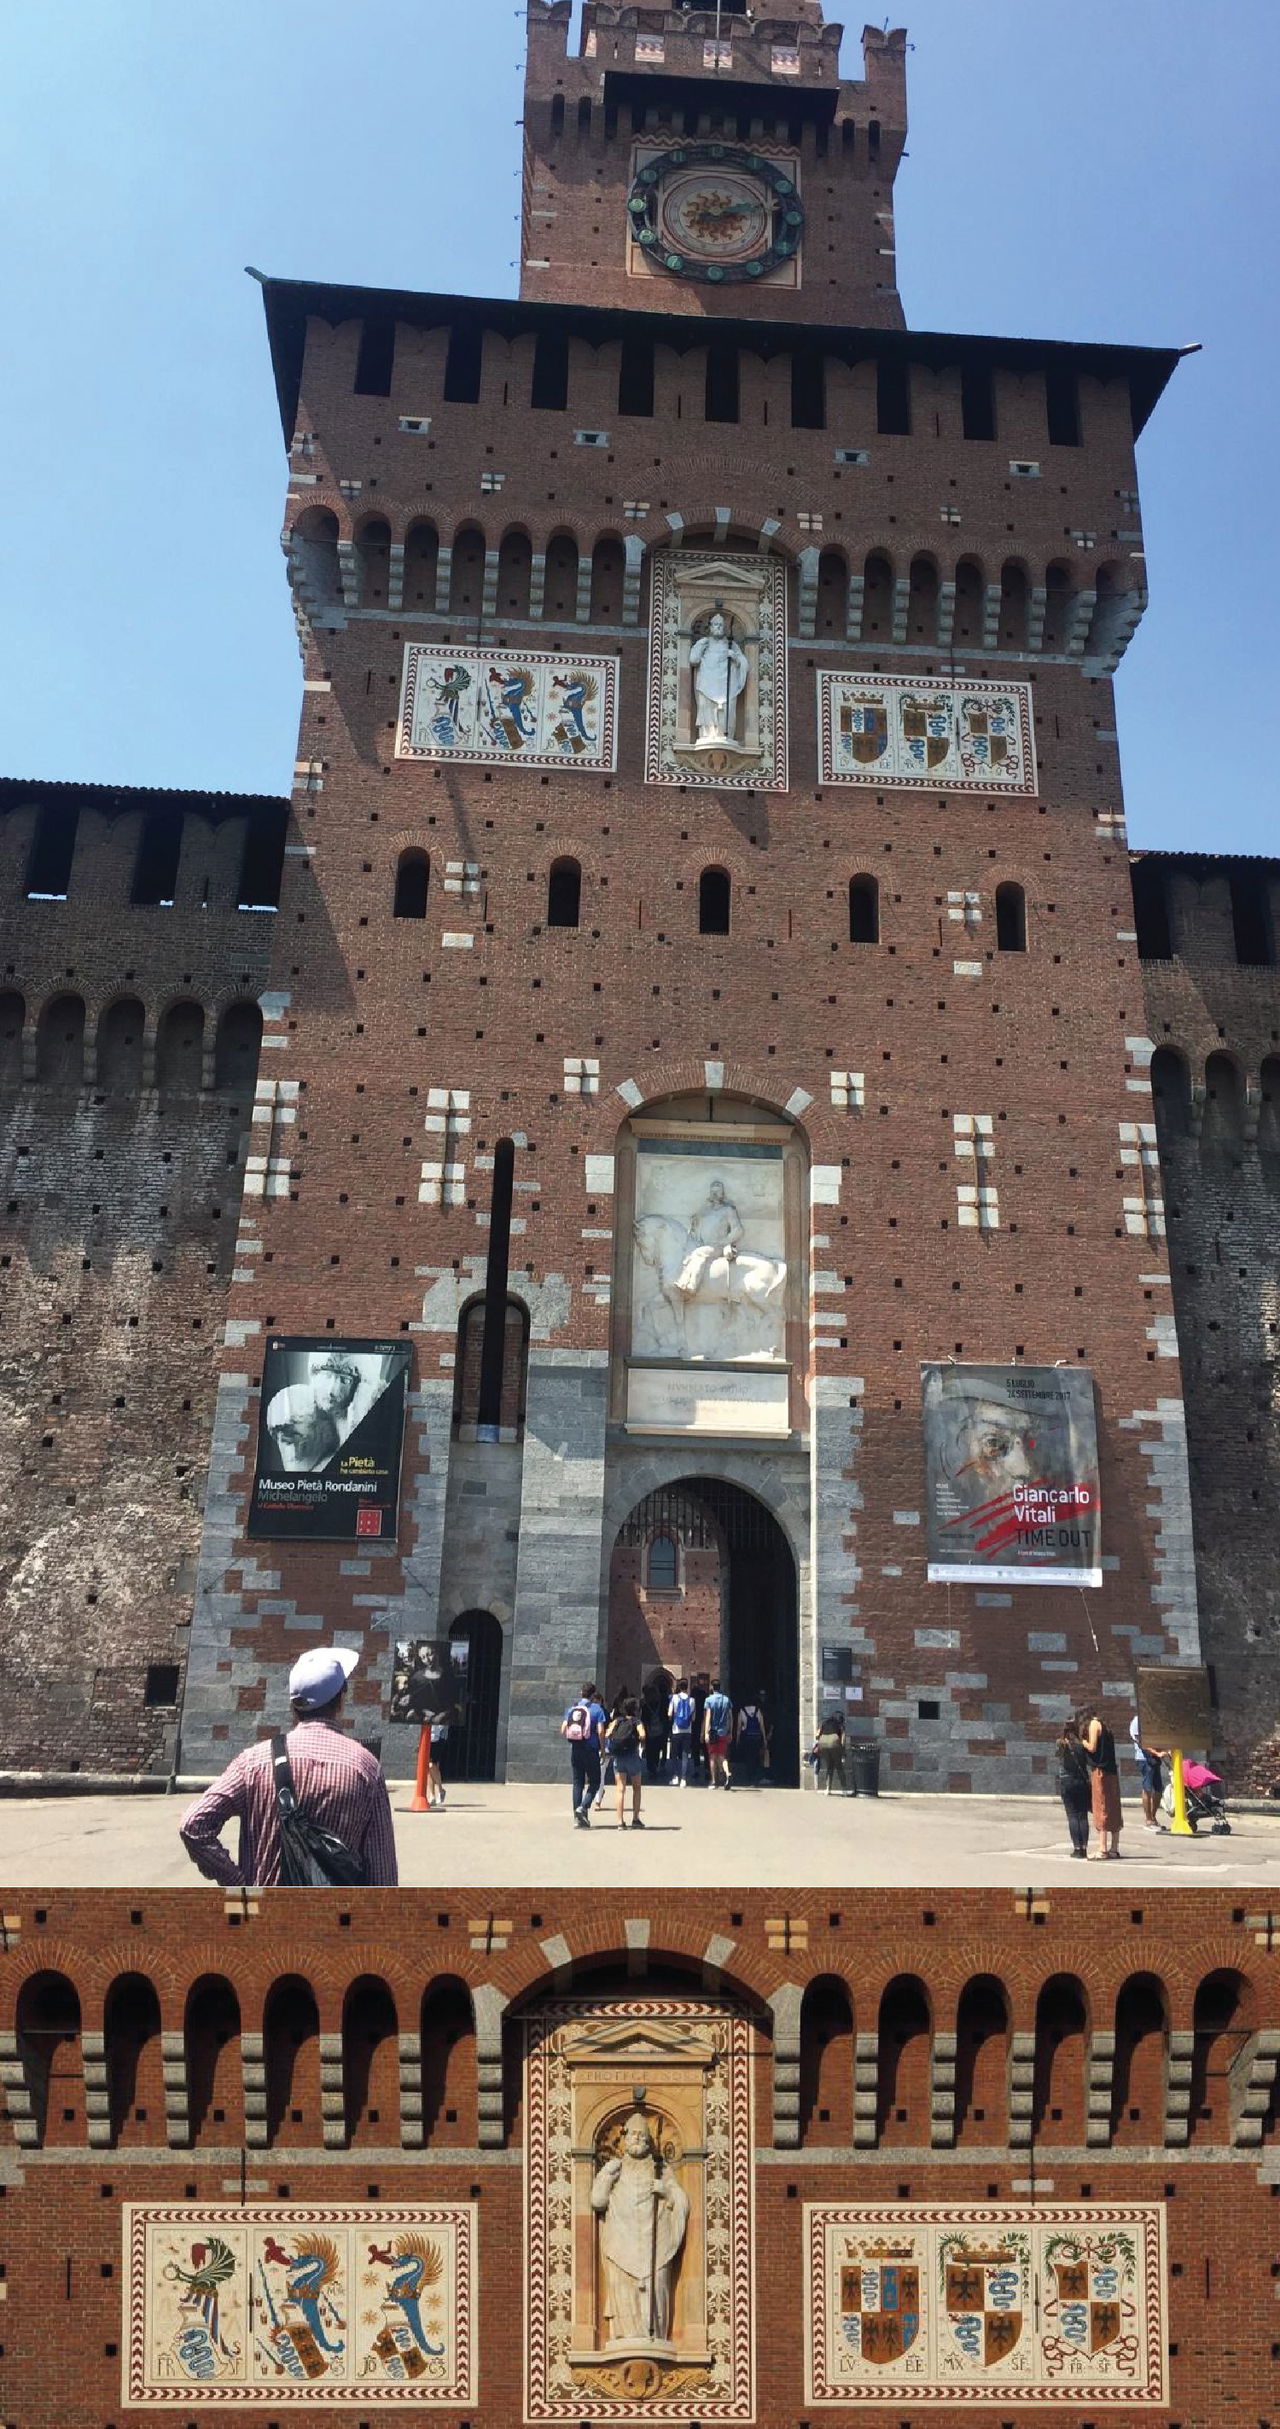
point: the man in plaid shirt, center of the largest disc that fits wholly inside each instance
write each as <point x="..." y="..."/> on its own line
<point x="338" y="1783"/>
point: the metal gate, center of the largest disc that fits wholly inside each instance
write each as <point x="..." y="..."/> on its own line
<point x="470" y="1751"/>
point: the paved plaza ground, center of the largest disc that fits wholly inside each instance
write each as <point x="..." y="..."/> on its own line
<point x="525" y="1836"/>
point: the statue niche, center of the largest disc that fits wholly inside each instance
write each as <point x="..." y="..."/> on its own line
<point x="643" y="2211"/>
<point x="717" y="681"/>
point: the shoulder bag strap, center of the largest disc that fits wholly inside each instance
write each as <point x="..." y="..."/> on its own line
<point x="286" y="1793"/>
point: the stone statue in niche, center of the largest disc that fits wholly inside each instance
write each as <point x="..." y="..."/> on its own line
<point x="720" y="670"/>
<point x="644" y="2216"/>
<point x="717" y="670"/>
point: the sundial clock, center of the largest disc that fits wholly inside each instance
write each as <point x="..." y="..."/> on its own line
<point x="710" y="212"/>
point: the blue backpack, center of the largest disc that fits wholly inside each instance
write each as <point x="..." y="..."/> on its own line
<point x="682" y="1712"/>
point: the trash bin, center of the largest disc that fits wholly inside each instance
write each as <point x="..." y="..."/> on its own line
<point x="864" y="1766"/>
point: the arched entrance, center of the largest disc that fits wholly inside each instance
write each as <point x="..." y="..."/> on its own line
<point x="470" y="1751"/>
<point x="726" y="1603"/>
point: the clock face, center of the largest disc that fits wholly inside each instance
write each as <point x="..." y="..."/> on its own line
<point x="711" y="212"/>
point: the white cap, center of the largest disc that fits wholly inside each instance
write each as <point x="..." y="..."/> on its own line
<point x="317" y="1676"/>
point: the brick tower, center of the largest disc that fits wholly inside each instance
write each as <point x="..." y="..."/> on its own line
<point x="705" y="992"/>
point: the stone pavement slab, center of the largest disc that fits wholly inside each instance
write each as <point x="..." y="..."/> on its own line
<point x="490" y="1834"/>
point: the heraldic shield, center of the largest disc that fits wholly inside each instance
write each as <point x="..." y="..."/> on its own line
<point x="926" y="728"/>
<point x="983" y="2297"/>
<point x="1093" y="2277"/>
<point x="864" y="730"/>
<point x="880" y="2304"/>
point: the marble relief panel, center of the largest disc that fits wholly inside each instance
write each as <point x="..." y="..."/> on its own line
<point x="273" y="2305"/>
<point x="638" y="2222"/>
<point x="905" y="729"/>
<point x="1004" y="2303"/>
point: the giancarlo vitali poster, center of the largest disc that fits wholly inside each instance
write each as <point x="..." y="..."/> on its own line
<point x="330" y="1436"/>
<point x="1011" y="1470"/>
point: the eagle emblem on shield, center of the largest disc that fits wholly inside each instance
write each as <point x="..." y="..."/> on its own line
<point x="926" y="728"/>
<point x="1090" y="2307"/>
<point x="880" y="2303"/>
<point x="863" y="730"/>
<point x="983" y="2293"/>
<point x="987" y="730"/>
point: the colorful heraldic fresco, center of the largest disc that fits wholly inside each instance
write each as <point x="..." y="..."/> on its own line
<point x="717" y="707"/>
<point x="330" y="1439"/>
<point x="540" y="707"/>
<point x="1011" y="1475"/>
<point x="638" y="2215"/>
<point x="1003" y="2304"/>
<point x="315" y="2307"/>
<point x="890" y="729"/>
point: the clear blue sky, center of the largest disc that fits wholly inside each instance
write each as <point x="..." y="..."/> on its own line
<point x="1077" y="169"/>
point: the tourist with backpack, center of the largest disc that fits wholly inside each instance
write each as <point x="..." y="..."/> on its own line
<point x="680" y="1712"/>
<point x="717" y="1729"/>
<point x="750" y="1743"/>
<point x="582" y="1729"/>
<point x="624" y="1746"/>
<point x="312" y="1806"/>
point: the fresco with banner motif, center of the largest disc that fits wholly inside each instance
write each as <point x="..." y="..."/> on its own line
<point x="275" y="2305"/>
<point x="535" y="706"/>
<point x="1002" y="2304"/>
<point x="890" y="729"/>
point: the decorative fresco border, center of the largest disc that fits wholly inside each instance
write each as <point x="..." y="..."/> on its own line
<point x="1059" y="2370"/>
<point x="499" y="706"/>
<point x="293" y="2331"/>
<point x="974" y="737"/>
<point x="545" y="2140"/>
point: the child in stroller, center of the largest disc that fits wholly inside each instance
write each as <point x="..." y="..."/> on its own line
<point x="1205" y="1802"/>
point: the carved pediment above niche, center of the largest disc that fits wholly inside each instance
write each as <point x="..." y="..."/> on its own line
<point x="717" y="671"/>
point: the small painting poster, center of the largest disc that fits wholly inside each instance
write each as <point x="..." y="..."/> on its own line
<point x="925" y="2304"/>
<point x="330" y="1439"/>
<point x="267" y="2306"/>
<point x="540" y="707"/>
<point x="1011" y="1475"/>
<point x="900" y="729"/>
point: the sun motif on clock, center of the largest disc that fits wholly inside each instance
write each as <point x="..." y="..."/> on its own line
<point x="709" y="211"/>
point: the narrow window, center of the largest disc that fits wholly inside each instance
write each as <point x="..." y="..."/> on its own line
<point x="1011" y="919"/>
<point x="263" y="864"/>
<point x="376" y="359"/>
<point x="492" y="1353"/>
<point x="412" y="874"/>
<point x="873" y="139"/>
<point x="722" y="384"/>
<point x="52" y="848"/>
<point x="977" y="401"/>
<point x="893" y="399"/>
<point x="808" y="389"/>
<point x="584" y="115"/>
<point x="661" y="1568"/>
<point x="161" y="1684"/>
<point x="155" y="870"/>
<point x="1250" y="925"/>
<point x="550" y="391"/>
<point x="864" y="911"/>
<point x="635" y="376"/>
<point x="557" y="113"/>
<point x="1062" y="407"/>
<point x="713" y="903"/>
<point x="462" y="364"/>
<point x="564" y="894"/>
<point x="1151" y="912"/>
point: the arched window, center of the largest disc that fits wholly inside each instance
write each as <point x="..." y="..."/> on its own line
<point x="982" y="2048"/>
<point x="662" y="1565"/>
<point x="370" y="2063"/>
<point x="211" y="2038"/>
<point x="877" y="597"/>
<point x="713" y="902"/>
<point x="608" y="572"/>
<point x="1058" y="2098"/>
<point x="135" y="2079"/>
<point x="60" y="1043"/>
<point x="560" y="594"/>
<point x="180" y="1051"/>
<point x="1268" y="1110"/>
<point x="239" y="1040"/>
<point x="1223" y="1102"/>
<point x="373" y="556"/>
<point x="832" y="618"/>
<point x="1222" y="2023"/>
<point x="466" y="572"/>
<point x="1013" y="606"/>
<point x="826" y="2065"/>
<point x="1138" y="2080"/>
<point x="504" y="1422"/>
<point x="515" y="572"/>
<point x="413" y="871"/>
<point x="291" y="2054"/>
<point x="864" y="911"/>
<point x="564" y="894"/>
<point x="421" y="556"/>
<point x="448" y="2064"/>
<point x="13" y="1014"/>
<point x="970" y="602"/>
<point x="1151" y="911"/>
<point x="1057" y="608"/>
<point x="903" y="2047"/>
<point x="120" y="1047"/>
<point x="313" y="558"/>
<point x="922" y="602"/>
<point x="557" y="113"/>
<point x="48" y="2036"/>
<point x="1011" y="918"/>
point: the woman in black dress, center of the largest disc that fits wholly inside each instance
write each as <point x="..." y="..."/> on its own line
<point x="1075" y="1786"/>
